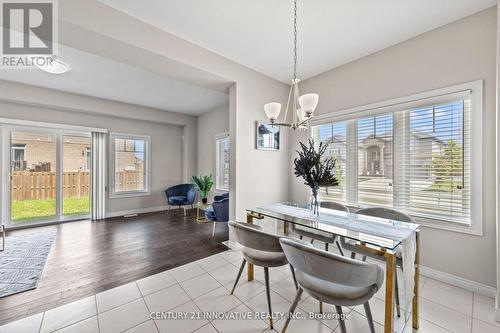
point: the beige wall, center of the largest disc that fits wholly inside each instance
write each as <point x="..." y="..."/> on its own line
<point x="460" y="52"/>
<point x="257" y="177"/>
<point x="167" y="164"/>
<point x="210" y="124"/>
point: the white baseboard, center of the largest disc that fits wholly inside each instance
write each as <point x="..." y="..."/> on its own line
<point x="497" y="315"/>
<point x="457" y="281"/>
<point x="137" y="211"/>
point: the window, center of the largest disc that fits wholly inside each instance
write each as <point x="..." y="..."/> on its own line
<point x="130" y="165"/>
<point x="222" y="162"/>
<point x="18" y="157"/>
<point x="88" y="158"/>
<point x="437" y="171"/>
<point x="417" y="156"/>
<point x="335" y="136"/>
<point x="374" y="150"/>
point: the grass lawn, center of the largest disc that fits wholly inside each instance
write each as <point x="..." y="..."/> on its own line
<point x="444" y="187"/>
<point x="28" y="210"/>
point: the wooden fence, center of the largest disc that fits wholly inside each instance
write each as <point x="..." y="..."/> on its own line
<point x="129" y="180"/>
<point x="28" y="185"/>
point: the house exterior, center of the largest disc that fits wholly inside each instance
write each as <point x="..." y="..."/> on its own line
<point x="36" y="152"/>
<point x="375" y="153"/>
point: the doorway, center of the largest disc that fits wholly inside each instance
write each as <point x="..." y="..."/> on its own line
<point x="49" y="177"/>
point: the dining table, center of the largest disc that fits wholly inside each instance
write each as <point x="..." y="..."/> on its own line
<point x="382" y="237"/>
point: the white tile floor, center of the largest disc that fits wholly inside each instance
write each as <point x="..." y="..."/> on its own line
<point x="203" y="286"/>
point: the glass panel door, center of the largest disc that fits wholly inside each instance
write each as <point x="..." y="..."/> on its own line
<point x="33" y="176"/>
<point x="76" y="159"/>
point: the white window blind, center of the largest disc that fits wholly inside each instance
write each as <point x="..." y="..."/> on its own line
<point x="416" y="159"/>
<point x="335" y="136"/>
<point x="435" y="166"/>
<point x="374" y="149"/>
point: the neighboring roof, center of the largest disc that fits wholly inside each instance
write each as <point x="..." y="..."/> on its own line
<point x="335" y="138"/>
<point x="385" y="137"/>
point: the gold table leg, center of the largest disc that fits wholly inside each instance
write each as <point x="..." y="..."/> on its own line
<point x="199" y="218"/>
<point x="389" y="290"/>
<point x="415" y="322"/>
<point x="249" y="265"/>
<point x="285" y="228"/>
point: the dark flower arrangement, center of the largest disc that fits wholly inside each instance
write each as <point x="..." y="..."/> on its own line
<point x="315" y="170"/>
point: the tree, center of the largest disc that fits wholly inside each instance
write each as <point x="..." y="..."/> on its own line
<point x="447" y="167"/>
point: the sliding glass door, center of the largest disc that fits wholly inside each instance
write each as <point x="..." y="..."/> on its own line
<point x="49" y="172"/>
<point x="33" y="176"/>
<point x="76" y="159"/>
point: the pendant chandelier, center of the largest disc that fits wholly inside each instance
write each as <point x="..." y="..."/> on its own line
<point x="301" y="107"/>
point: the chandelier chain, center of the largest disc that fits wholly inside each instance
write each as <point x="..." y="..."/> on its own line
<point x="295" y="41"/>
<point x="301" y="107"/>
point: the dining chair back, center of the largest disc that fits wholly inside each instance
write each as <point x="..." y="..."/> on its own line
<point x="385" y="213"/>
<point x="262" y="249"/>
<point x="334" y="205"/>
<point x="252" y="237"/>
<point x="332" y="278"/>
<point x="318" y="235"/>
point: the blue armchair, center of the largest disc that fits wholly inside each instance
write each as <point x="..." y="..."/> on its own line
<point x="219" y="211"/>
<point x="180" y="195"/>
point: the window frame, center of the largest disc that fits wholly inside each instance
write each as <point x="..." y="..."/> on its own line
<point x="217" y="138"/>
<point x="470" y="90"/>
<point x="13" y="149"/>
<point x="147" y="167"/>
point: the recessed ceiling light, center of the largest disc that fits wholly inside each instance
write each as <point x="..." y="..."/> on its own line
<point x="56" y="67"/>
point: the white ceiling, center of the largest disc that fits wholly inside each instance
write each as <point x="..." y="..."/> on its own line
<point x="96" y="76"/>
<point x="258" y="33"/>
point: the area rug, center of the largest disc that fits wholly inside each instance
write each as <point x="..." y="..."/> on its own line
<point x="23" y="260"/>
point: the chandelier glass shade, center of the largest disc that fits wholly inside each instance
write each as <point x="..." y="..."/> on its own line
<point x="308" y="103"/>
<point x="272" y="111"/>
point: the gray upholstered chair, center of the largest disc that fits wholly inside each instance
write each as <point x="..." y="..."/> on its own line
<point x="261" y="249"/>
<point x="386" y="213"/>
<point x="325" y="237"/>
<point x="332" y="279"/>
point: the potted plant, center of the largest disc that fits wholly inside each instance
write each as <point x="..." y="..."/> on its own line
<point x="316" y="170"/>
<point x="203" y="184"/>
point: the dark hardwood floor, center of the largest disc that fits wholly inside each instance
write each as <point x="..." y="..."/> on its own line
<point x="89" y="257"/>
